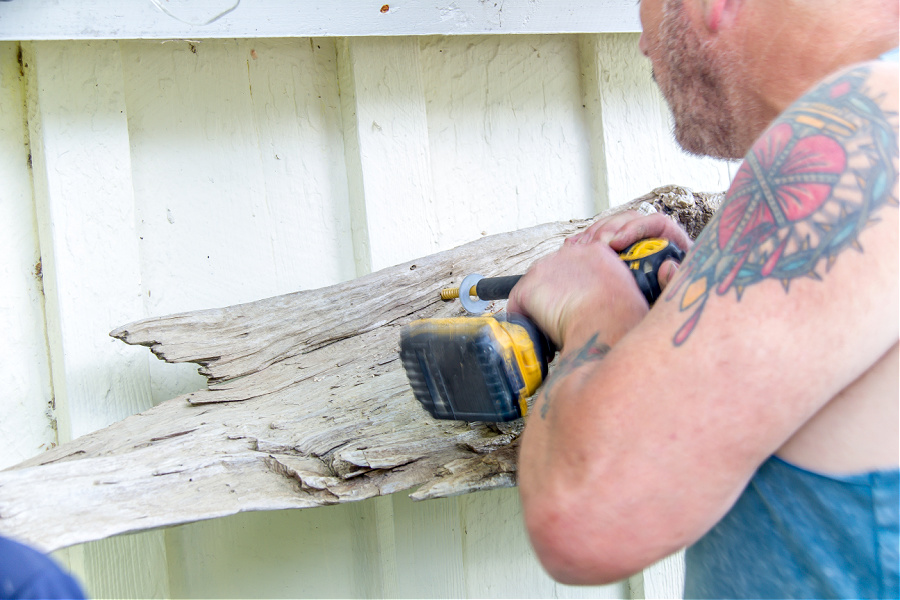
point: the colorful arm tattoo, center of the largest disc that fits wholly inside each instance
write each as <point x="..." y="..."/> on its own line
<point x="803" y="194"/>
<point x="592" y="351"/>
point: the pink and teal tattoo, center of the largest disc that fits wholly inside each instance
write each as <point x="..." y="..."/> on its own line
<point x="803" y="194"/>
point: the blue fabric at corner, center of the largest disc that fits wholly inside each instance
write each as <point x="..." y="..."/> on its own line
<point x="26" y="573"/>
<point x="794" y="533"/>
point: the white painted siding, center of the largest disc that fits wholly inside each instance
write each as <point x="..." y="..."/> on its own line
<point x="27" y="425"/>
<point x="178" y="175"/>
<point x="204" y="19"/>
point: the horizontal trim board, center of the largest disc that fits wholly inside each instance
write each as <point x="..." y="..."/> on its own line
<point x="22" y="20"/>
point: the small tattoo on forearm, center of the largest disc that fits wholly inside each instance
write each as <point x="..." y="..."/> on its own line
<point x="592" y="351"/>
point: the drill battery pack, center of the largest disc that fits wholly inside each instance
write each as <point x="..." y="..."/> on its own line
<point x="475" y="369"/>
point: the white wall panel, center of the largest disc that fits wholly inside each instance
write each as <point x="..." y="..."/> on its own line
<point x="27" y="418"/>
<point x="508" y="139"/>
<point x="237" y="161"/>
<point x="291" y="554"/>
<point x="388" y="158"/>
<point x="237" y="165"/>
<point x="86" y="223"/>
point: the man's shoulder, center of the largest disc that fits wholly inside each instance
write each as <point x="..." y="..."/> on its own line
<point x="856" y="107"/>
<point x="875" y="79"/>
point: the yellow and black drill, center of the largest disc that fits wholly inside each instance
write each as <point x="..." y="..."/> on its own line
<point x="485" y="368"/>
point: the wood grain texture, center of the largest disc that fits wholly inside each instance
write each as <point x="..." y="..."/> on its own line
<point x="307" y="405"/>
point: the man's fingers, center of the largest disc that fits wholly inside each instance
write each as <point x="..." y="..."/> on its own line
<point x="604" y="229"/>
<point x="651" y="226"/>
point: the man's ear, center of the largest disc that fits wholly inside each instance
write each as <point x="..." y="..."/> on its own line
<point x="718" y="13"/>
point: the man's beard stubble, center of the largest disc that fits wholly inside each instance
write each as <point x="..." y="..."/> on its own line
<point x="694" y="85"/>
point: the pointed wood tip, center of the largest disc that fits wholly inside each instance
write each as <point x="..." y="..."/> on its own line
<point x="120" y="333"/>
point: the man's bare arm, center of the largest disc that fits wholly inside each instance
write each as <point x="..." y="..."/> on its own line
<point x="651" y="427"/>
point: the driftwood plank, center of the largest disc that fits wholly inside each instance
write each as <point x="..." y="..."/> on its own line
<point x="307" y="405"/>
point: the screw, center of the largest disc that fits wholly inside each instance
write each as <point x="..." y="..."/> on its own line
<point x="453" y="293"/>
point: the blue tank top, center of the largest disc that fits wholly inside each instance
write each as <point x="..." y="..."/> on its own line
<point x="794" y="533"/>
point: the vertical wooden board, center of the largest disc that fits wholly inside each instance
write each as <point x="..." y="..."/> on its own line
<point x="126" y="566"/>
<point x="639" y="152"/>
<point x="664" y="579"/>
<point x="296" y="108"/>
<point x="239" y="188"/>
<point x="85" y="213"/>
<point x="359" y="232"/>
<point x="429" y="558"/>
<point x="509" y="144"/>
<point x="86" y="223"/>
<point x="498" y="556"/>
<point x="241" y="194"/>
<point x="393" y="212"/>
<point x="374" y="557"/>
<point x="389" y="164"/>
<point x="593" y="112"/>
<point x="286" y="554"/>
<point x="26" y="414"/>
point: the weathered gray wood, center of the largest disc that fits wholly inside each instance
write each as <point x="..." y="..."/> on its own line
<point x="307" y="405"/>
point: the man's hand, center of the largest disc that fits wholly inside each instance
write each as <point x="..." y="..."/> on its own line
<point x="586" y="281"/>
<point x="625" y="228"/>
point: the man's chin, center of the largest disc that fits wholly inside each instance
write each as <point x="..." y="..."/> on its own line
<point x="707" y="144"/>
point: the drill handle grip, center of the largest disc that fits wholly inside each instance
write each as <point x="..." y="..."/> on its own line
<point x="496" y="288"/>
<point x="645" y="258"/>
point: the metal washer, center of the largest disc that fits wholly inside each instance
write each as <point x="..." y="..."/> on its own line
<point x="473" y="307"/>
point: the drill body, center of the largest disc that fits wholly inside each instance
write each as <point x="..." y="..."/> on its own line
<point x="485" y="368"/>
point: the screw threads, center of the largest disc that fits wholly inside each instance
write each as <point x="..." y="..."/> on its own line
<point x="449" y="293"/>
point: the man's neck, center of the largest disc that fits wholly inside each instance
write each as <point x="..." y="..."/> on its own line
<point x="792" y="45"/>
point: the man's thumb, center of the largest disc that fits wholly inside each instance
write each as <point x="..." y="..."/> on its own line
<point x="667" y="272"/>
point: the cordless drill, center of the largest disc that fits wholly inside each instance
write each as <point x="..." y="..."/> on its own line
<point x="485" y="368"/>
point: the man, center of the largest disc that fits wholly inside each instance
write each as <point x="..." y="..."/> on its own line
<point x="752" y="415"/>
